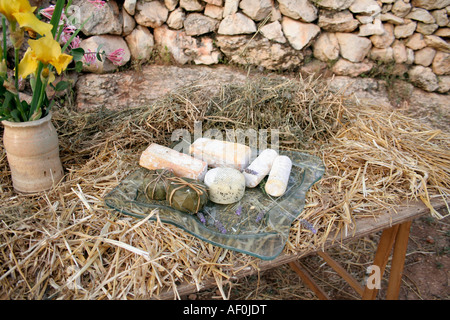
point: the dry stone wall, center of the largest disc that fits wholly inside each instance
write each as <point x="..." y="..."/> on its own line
<point x="351" y="36"/>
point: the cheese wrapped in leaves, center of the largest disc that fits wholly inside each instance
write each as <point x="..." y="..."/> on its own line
<point x="155" y="184"/>
<point x="186" y="195"/>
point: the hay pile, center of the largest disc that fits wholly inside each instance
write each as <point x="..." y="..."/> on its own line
<point x="66" y="244"/>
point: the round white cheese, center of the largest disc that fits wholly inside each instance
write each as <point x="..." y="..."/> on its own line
<point x="225" y="185"/>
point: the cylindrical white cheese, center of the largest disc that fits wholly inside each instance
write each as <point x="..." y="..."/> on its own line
<point x="259" y="168"/>
<point x="225" y="185"/>
<point x="218" y="153"/>
<point x="277" y="182"/>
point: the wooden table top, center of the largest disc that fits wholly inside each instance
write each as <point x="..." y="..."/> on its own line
<point x="363" y="226"/>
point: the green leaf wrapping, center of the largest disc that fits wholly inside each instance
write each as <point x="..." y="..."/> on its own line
<point x="187" y="195"/>
<point x="155" y="184"/>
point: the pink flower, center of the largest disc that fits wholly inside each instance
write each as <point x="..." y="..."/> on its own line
<point x="48" y="13"/>
<point x="68" y="31"/>
<point x="90" y="57"/>
<point x="75" y="42"/>
<point x="66" y="34"/>
<point x="97" y="3"/>
<point x="116" y="57"/>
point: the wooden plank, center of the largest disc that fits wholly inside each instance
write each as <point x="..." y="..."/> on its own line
<point x="363" y="227"/>
<point x="308" y="280"/>
<point x="342" y="272"/>
<point x="407" y="211"/>
<point x="188" y="288"/>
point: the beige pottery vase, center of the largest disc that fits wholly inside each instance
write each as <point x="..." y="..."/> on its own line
<point x="32" y="149"/>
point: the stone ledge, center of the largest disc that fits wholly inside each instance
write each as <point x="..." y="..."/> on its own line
<point x="132" y="88"/>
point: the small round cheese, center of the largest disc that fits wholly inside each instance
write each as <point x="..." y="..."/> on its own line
<point x="225" y="185"/>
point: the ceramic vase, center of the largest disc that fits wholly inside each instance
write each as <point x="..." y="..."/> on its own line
<point x="32" y="150"/>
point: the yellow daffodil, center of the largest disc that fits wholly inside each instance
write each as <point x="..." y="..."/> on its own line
<point x="45" y="50"/>
<point x="22" y="12"/>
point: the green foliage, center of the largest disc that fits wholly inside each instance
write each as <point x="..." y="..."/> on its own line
<point x="12" y="108"/>
<point x="385" y="71"/>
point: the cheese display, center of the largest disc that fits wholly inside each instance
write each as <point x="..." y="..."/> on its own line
<point x="277" y="181"/>
<point x="257" y="224"/>
<point x="218" y="153"/>
<point x="259" y="168"/>
<point x="182" y="165"/>
<point x="186" y="195"/>
<point x="155" y="184"/>
<point x="183" y="181"/>
<point x="225" y="185"/>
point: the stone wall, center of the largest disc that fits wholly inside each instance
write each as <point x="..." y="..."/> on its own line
<point x="350" y="36"/>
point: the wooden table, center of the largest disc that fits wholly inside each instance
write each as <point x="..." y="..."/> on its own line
<point x="395" y="227"/>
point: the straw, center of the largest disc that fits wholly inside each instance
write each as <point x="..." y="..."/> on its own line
<point x="66" y="244"/>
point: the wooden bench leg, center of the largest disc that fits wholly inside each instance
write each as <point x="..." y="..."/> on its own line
<point x="385" y="244"/>
<point x="398" y="261"/>
<point x="342" y="272"/>
<point x="395" y="237"/>
<point x="308" y="280"/>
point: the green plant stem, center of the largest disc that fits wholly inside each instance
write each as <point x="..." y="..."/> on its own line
<point x="4" y="38"/>
<point x="41" y="95"/>
<point x="37" y="91"/>
<point x="57" y="16"/>
<point x="16" y="83"/>
<point x="58" y="34"/>
<point x="16" y="69"/>
<point x="15" y="94"/>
